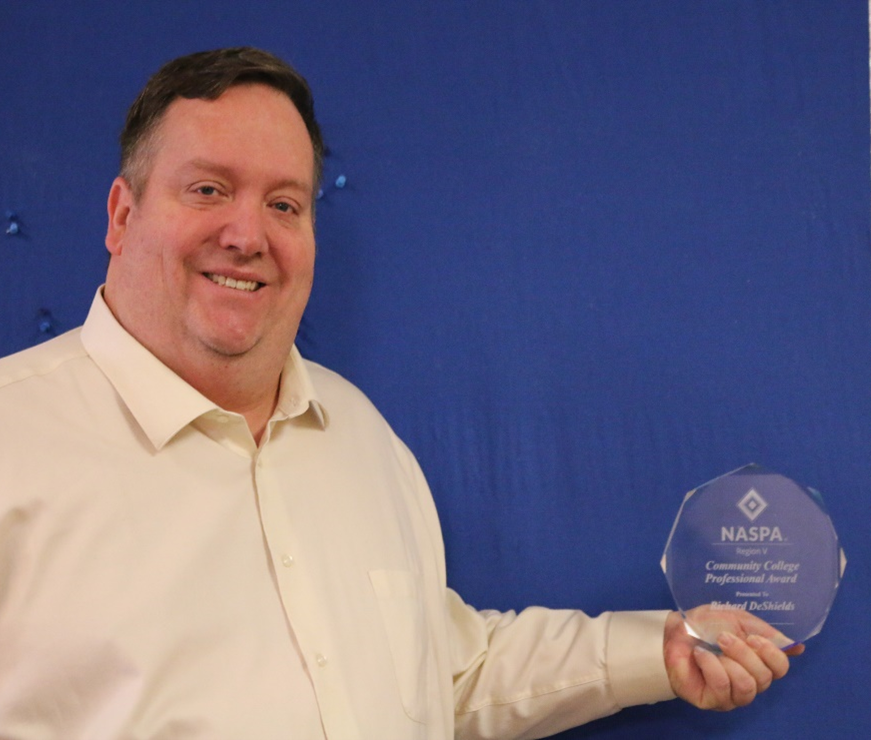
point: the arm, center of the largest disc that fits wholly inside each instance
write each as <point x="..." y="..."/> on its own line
<point x="536" y="673"/>
<point x="533" y="674"/>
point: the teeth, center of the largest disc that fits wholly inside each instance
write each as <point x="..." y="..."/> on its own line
<point x="228" y="282"/>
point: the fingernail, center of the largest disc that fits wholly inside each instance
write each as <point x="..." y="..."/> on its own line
<point x="755" y="641"/>
<point x="726" y="639"/>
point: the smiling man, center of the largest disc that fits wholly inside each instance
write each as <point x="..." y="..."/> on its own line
<point x="203" y="535"/>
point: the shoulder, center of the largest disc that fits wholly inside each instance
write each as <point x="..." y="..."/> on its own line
<point x="331" y="388"/>
<point x="45" y="402"/>
<point x="41" y="361"/>
<point x="351" y="413"/>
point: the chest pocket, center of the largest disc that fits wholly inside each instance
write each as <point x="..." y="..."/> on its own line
<point x="400" y="600"/>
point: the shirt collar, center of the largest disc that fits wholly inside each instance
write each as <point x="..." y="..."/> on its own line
<point x="162" y="402"/>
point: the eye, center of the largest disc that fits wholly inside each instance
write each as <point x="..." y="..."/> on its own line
<point x="284" y="207"/>
<point x="207" y="190"/>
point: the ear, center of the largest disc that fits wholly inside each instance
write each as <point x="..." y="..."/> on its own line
<point x="119" y="205"/>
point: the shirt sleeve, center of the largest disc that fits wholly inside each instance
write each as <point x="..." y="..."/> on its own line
<point x="536" y="673"/>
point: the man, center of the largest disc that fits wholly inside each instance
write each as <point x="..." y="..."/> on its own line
<point x="203" y="535"/>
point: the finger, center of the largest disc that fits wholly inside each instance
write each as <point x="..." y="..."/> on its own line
<point x="774" y="658"/>
<point x="752" y="657"/>
<point x="752" y="625"/>
<point x="717" y="693"/>
<point x="743" y="685"/>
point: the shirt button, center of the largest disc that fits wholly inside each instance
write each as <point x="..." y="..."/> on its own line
<point x="320" y="660"/>
<point x="287" y="560"/>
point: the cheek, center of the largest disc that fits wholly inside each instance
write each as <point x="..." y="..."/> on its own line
<point x="301" y="286"/>
<point x="183" y="252"/>
<point x="144" y="258"/>
<point x="297" y="264"/>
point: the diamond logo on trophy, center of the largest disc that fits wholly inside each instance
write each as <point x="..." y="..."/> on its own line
<point x="753" y="542"/>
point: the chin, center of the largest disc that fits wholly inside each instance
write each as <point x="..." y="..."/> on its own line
<point x="229" y="347"/>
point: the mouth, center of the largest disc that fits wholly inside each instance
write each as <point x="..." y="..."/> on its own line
<point x="246" y="286"/>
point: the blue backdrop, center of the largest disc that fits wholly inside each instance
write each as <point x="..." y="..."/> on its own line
<point x="589" y="255"/>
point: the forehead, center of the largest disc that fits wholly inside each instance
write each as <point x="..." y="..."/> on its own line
<point x="250" y="123"/>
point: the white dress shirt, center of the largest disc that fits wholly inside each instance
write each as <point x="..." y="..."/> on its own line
<point x="161" y="576"/>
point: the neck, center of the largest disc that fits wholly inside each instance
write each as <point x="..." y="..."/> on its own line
<point x="239" y="385"/>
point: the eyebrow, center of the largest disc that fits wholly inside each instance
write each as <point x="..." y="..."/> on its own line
<point x="208" y="167"/>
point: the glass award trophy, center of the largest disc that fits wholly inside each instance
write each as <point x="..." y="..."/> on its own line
<point x="753" y="542"/>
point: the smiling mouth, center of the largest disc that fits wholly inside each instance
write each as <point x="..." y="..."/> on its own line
<point x="248" y="286"/>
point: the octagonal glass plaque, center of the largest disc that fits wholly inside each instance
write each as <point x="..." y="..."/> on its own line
<point x="753" y="542"/>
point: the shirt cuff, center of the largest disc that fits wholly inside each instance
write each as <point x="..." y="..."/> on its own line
<point x="636" y="666"/>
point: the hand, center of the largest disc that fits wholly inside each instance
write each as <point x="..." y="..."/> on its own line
<point x="749" y="663"/>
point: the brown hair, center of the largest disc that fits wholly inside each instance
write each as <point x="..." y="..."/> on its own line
<point x="207" y="75"/>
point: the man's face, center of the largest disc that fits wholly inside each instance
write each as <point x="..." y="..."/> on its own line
<point x="216" y="257"/>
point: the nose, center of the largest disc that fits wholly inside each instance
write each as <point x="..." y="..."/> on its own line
<point x="244" y="229"/>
